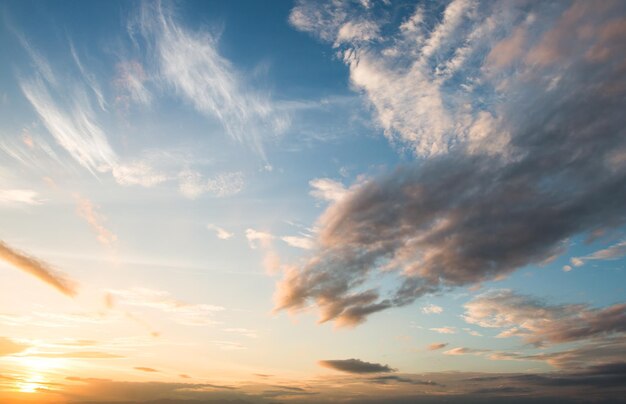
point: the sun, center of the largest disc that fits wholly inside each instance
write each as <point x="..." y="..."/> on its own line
<point x="31" y="384"/>
<point x="35" y="370"/>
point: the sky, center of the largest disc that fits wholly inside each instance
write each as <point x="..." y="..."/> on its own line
<point x="312" y="201"/>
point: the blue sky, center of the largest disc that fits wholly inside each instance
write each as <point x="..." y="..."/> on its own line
<point x="309" y="201"/>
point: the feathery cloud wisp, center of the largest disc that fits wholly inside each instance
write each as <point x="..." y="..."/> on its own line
<point x="220" y="232"/>
<point x="87" y="210"/>
<point x="37" y="268"/>
<point x="190" y="63"/>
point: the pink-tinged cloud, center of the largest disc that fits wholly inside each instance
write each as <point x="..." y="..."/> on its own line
<point x="436" y="346"/>
<point x="540" y="323"/>
<point x="37" y="268"/>
<point x="88" y="211"/>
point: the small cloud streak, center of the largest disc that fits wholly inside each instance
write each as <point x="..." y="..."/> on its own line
<point x="464" y="351"/>
<point x="355" y="366"/>
<point x="192" y="184"/>
<point x="258" y="238"/>
<point x="305" y="243"/>
<point x="184" y="313"/>
<point x="610" y="253"/>
<point x="145" y="369"/>
<point x="221" y="233"/>
<point x="88" y="211"/>
<point x="326" y="189"/>
<point x="444" y="330"/>
<point x="37" y="268"/>
<point x="19" y="196"/>
<point x="432" y="309"/>
<point x="436" y="346"/>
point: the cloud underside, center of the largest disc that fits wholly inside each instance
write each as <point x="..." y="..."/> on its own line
<point x="595" y="382"/>
<point x="355" y="366"/>
<point x="37" y="268"/>
<point x="471" y="212"/>
<point x="541" y="324"/>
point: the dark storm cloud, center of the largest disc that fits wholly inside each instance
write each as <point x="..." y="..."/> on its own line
<point x="474" y="214"/>
<point x="355" y="366"/>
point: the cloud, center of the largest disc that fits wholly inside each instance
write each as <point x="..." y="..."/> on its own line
<point x="220" y="232"/>
<point x="243" y="331"/>
<point x="229" y="345"/>
<point x="539" y="323"/>
<point x="10" y="347"/>
<point x="192" y="184"/>
<point x="129" y="82"/>
<point x="88" y="211"/>
<point x="436" y="346"/>
<point x="305" y="243"/>
<point x="504" y="182"/>
<point x="138" y="172"/>
<point x="89" y="389"/>
<point x="183" y="313"/>
<point x="613" y="252"/>
<point x="432" y="309"/>
<point x="74" y="126"/>
<point x="37" y="268"/>
<point x="327" y="189"/>
<point x="19" y="196"/>
<point x="355" y="366"/>
<point x="76" y="355"/>
<point x="258" y="238"/>
<point x="190" y="64"/>
<point x="145" y="369"/>
<point x="464" y="351"/>
<point x="444" y="330"/>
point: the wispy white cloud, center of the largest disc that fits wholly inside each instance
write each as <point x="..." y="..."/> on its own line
<point x="613" y="252"/>
<point x="130" y="82"/>
<point x="229" y="345"/>
<point x="243" y="331"/>
<point x="190" y="63"/>
<point x="76" y="128"/>
<point x="306" y="243"/>
<point x="192" y="184"/>
<point x="221" y="233"/>
<point x="138" y="172"/>
<point x="327" y="189"/>
<point x="465" y="351"/>
<point x="432" y="309"/>
<point x="182" y="312"/>
<point x="19" y="196"/>
<point x="258" y="238"/>
<point x="89" y="78"/>
<point x="444" y="330"/>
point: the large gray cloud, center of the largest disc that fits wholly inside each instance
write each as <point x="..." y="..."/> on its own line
<point x="478" y="212"/>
